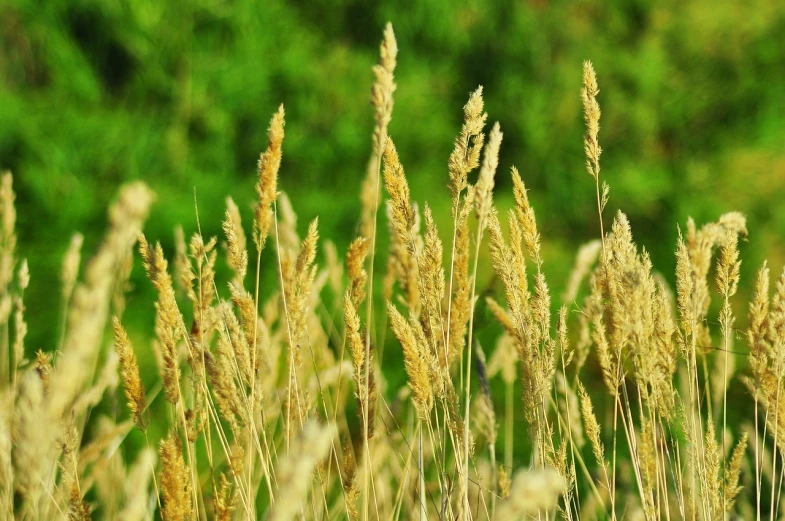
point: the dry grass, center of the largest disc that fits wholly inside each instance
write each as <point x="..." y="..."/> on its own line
<point x="273" y="415"/>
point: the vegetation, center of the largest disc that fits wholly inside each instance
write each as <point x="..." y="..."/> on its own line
<point x="270" y="401"/>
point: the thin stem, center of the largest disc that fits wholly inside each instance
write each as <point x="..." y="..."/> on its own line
<point x="480" y="229"/>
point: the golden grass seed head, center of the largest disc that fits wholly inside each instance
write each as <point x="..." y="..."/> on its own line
<point x="237" y="339"/>
<point x="461" y="305"/>
<point x="465" y="156"/>
<point x="225" y="498"/>
<point x="757" y="319"/>
<point x="711" y="488"/>
<point x="267" y="185"/>
<point x="384" y="87"/>
<point x="591" y="426"/>
<point x="350" y="483"/>
<point x="78" y="509"/>
<point x="355" y="264"/>
<point x="298" y="286"/>
<point x="129" y="367"/>
<point x="684" y="286"/>
<point x="169" y="321"/>
<point x="234" y="212"/>
<point x="401" y="265"/>
<point x="731" y="487"/>
<point x="728" y="266"/>
<point x="365" y="391"/>
<point x="776" y="319"/>
<point x="483" y="190"/>
<point x="221" y="371"/>
<point x="431" y="280"/>
<point x="175" y="481"/>
<point x="356" y="344"/>
<point x="403" y="218"/>
<point x="526" y="218"/>
<point x="43" y="366"/>
<point x="244" y="303"/>
<point x="414" y="361"/>
<point x="591" y="115"/>
<point x="235" y="239"/>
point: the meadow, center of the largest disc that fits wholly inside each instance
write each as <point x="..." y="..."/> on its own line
<point x="426" y="370"/>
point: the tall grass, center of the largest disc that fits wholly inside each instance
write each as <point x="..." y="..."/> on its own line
<point x="261" y="422"/>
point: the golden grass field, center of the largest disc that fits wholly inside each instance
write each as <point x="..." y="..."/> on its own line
<point x="275" y="411"/>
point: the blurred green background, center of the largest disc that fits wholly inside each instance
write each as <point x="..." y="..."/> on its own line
<point x="97" y="93"/>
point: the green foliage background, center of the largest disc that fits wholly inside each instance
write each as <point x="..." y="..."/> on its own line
<point x="95" y="93"/>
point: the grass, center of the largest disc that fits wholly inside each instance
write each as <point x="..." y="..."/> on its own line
<point x="270" y="402"/>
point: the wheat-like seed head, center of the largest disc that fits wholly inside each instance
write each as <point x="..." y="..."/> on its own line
<point x="591" y="426"/>
<point x="461" y="305"/>
<point x="711" y="480"/>
<point x="225" y="389"/>
<point x="731" y="487"/>
<point x="78" y="509"/>
<point x="169" y="321"/>
<point x="237" y="338"/>
<point x="246" y="308"/>
<point x="175" y="481"/>
<point x="299" y="288"/>
<point x="43" y="366"/>
<point x="355" y="264"/>
<point x="134" y="390"/>
<point x="684" y="287"/>
<point x="465" y="156"/>
<point x="235" y="239"/>
<point x="366" y="392"/>
<point x="757" y="328"/>
<point x="526" y="219"/>
<point x="431" y="281"/>
<point x="384" y="87"/>
<point x="349" y="482"/>
<point x="403" y="218"/>
<point x="225" y="498"/>
<point x="728" y="266"/>
<point x="483" y="190"/>
<point x="666" y="357"/>
<point x="591" y="114"/>
<point x="401" y="265"/>
<point x="415" y="362"/>
<point x="267" y="185"/>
